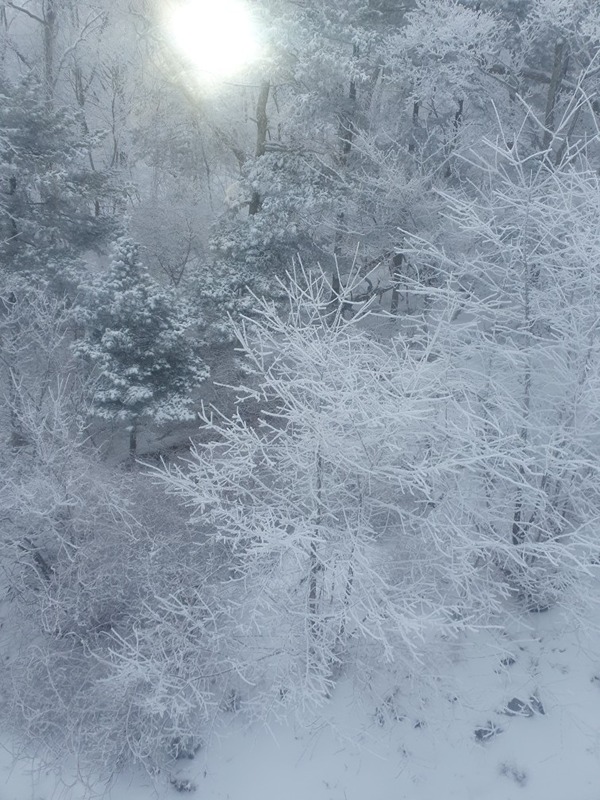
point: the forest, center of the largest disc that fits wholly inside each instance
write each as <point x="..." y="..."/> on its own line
<point x="299" y="365"/>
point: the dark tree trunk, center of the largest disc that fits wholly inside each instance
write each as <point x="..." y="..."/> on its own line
<point x="397" y="262"/>
<point x="415" y="124"/>
<point x="133" y="442"/>
<point x="315" y="565"/>
<point x="456" y="125"/>
<point x="49" y="38"/>
<point x="558" y="69"/>
<point x="261" y="138"/>
<point x="346" y="131"/>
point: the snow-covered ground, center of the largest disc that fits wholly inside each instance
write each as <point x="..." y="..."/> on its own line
<point x="453" y="742"/>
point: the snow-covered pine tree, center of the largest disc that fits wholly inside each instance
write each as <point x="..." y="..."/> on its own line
<point x="54" y="204"/>
<point x="136" y="337"/>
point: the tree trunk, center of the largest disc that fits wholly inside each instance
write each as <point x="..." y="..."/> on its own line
<point x="412" y="144"/>
<point x="397" y="262"/>
<point x="133" y="442"/>
<point x="314" y="565"/>
<point x="261" y="138"/>
<point x="350" y="576"/>
<point x="18" y="438"/>
<point x="49" y="38"/>
<point x="456" y="125"/>
<point x="346" y="132"/>
<point x="553" y="91"/>
<point x="12" y="192"/>
<point x="519" y="529"/>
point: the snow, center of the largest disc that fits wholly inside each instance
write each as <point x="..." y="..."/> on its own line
<point x="419" y="746"/>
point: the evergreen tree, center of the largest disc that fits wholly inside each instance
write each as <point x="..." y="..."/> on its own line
<point x="254" y="250"/>
<point x="54" y="205"/>
<point x="136" y="338"/>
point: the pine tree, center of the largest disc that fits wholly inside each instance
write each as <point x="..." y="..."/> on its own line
<point x="54" y="205"/>
<point x="137" y="340"/>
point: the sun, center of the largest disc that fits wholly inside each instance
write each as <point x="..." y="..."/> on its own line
<point x="219" y="37"/>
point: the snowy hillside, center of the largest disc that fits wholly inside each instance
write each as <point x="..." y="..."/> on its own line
<point x="514" y="717"/>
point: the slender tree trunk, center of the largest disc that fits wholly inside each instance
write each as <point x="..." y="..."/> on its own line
<point x="350" y="575"/>
<point x="519" y="529"/>
<point x="49" y="39"/>
<point x="12" y="192"/>
<point x="346" y="131"/>
<point x="456" y="125"/>
<point x="133" y="441"/>
<point x="261" y="138"/>
<point x="397" y="262"/>
<point x="18" y="438"/>
<point x="556" y="79"/>
<point x="415" y="124"/>
<point x="315" y="566"/>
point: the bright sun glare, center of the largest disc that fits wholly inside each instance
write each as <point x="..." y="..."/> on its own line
<point x="218" y="36"/>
